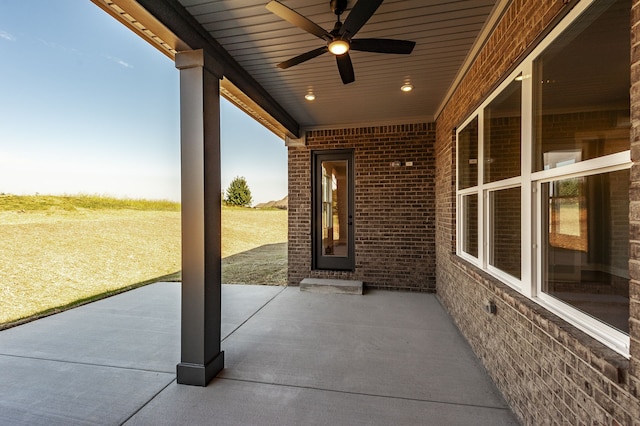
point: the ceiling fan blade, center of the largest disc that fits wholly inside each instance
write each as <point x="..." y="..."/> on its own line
<point x="346" y="68"/>
<point x="358" y="16"/>
<point x="381" y="45"/>
<point x="304" y="57"/>
<point x="296" y="19"/>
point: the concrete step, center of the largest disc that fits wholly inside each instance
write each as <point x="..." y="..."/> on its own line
<point x="331" y="286"/>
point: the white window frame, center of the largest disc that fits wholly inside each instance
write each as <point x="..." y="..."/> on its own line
<point x="482" y="190"/>
<point x="601" y="331"/>
<point x="530" y="284"/>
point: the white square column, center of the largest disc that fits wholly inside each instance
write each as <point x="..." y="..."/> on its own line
<point x="201" y="358"/>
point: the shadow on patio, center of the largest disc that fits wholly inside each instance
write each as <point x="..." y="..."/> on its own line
<point x="291" y="357"/>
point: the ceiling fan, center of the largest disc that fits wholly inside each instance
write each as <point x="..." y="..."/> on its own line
<point x="339" y="40"/>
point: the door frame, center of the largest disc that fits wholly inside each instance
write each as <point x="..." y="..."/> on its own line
<point x="319" y="261"/>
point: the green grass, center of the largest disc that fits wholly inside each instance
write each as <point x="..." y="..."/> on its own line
<point x="266" y="265"/>
<point x="27" y="203"/>
<point x="57" y="252"/>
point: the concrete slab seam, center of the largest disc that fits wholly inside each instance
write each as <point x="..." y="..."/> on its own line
<point x="400" y="398"/>
<point x="253" y="314"/>
<point x="147" y="403"/>
<point x="90" y="364"/>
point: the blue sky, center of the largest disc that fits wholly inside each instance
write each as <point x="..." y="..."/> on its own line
<point x="86" y="106"/>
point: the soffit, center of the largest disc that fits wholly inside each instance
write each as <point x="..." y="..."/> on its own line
<point x="444" y="32"/>
<point x="250" y="41"/>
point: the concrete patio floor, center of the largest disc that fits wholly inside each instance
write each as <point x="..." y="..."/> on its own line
<point x="291" y="358"/>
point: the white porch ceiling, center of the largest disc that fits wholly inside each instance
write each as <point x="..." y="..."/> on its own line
<point x="444" y="32"/>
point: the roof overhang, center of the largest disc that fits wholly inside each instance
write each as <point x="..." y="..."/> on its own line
<point x="250" y="97"/>
<point x="246" y="40"/>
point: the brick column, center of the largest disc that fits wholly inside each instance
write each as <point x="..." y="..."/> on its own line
<point x="201" y="358"/>
<point x="634" y="203"/>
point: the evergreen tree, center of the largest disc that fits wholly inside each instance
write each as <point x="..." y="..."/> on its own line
<point x="238" y="193"/>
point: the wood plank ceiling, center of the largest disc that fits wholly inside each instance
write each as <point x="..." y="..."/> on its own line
<point x="444" y="32"/>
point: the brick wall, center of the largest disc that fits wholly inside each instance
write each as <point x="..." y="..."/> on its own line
<point x="549" y="371"/>
<point x="634" y="205"/>
<point x="394" y="209"/>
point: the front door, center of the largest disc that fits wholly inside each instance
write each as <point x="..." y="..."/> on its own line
<point x="333" y="202"/>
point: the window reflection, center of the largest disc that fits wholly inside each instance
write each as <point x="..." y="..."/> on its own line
<point x="502" y="124"/>
<point x="470" y="220"/>
<point x="581" y="83"/>
<point x="468" y="155"/>
<point x="506" y="234"/>
<point x="586" y="244"/>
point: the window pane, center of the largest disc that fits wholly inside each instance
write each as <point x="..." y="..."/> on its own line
<point x="506" y="234"/>
<point x="335" y="196"/>
<point x="586" y="236"/>
<point x="468" y="155"/>
<point x="470" y="219"/>
<point x="582" y="83"/>
<point x="502" y="119"/>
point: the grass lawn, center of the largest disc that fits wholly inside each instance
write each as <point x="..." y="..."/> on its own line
<point x="56" y="251"/>
<point x="254" y="246"/>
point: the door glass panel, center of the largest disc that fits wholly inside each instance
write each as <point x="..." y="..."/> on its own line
<point x="335" y="199"/>
<point x="333" y="207"/>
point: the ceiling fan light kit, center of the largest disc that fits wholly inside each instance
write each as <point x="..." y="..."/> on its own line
<point x="338" y="47"/>
<point x="339" y="41"/>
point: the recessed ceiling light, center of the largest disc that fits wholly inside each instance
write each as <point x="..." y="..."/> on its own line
<point x="310" y="96"/>
<point x="407" y="87"/>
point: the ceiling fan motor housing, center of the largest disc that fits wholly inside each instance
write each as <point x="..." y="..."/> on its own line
<point x="340" y="39"/>
<point x="338" y="6"/>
